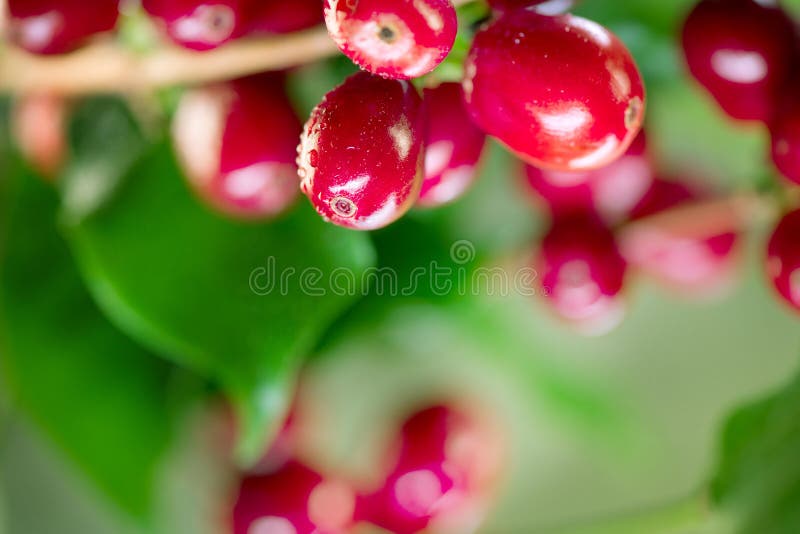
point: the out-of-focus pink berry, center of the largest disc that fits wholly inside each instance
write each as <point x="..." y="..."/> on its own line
<point x="741" y="51"/>
<point x="237" y="143"/>
<point x="582" y="273"/>
<point x="696" y="266"/>
<point x="453" y="146"/>
<point x="611" y="191"/>
<point x="199" y="24"/>
<point x="59" y="26"/>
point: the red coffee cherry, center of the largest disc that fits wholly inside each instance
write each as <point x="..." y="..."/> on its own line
<point x="360" y="155"/>
<point x="393" y="38"/>
<point x="694" y="266"/>
<point x="783" y="259"/>
<point x="280" y="16"/>
<point x="293" y="500"/>
<point x="562" y="92"/>
<point x="441" y="475"/>
<point x="611" y="191"/>
<point x="582" y="273"/>
<point x="59" y="26"/>
<point x="741" y="51"/>
<point x="198" y="24"/>
<point x="237" y="143"/>
<point x="453" y="146"/>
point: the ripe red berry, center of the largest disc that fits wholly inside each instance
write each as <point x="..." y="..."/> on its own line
<point x="293" y="500"/>
<point x="562" y="92"/>
<point x="360" y="155"/>
<point x="440" y="474"/>
<point x="393" y="38"/>
<point x="453" y="146"/>
<point x="280" y="16"/>
<point x="237" y="143"/>
<point x="783" y="259"/>
<point x="582" y="273"/>
<point x="199" y="24"/>
<point x="741" y="51"/>
<point x="611" y="191"/>
<point x="59" y="26"/>
<point x="694" y="266"/>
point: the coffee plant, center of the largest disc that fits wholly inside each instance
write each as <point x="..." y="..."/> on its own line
<point x="399" y="266"/>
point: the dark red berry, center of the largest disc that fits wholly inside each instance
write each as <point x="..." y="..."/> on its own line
<point x="293" y="500"/>
<point x="393" y="38"/>
<point x="611" y="191"/>
<point x="440" y="475"/>
<point x="280" y="16"/>
<point x="783" y="259"/>
<point x="545" y="7"/>
<point x="562" y="92"/>
<point x="237" y="142"/>
<point x="199" y="24"/>
<point x="741" y="51"/>
<point x="59" y="26"/>
<point x="696" y="266"/>
<point x="453" y="146"/>
<point x="582" y="273"/>
<point x="360" y="155"/>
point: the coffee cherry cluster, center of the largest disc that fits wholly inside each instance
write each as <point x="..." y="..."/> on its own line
<point x="370" y="151"/>
<point x="61" y="26"/>
<point x="439" y="471"/>
<point x="587" y="256"/>
<point x="745" y="53"/>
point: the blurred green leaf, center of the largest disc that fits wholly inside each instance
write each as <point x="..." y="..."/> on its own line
<point x="100" y="397"/>
<point x="105" y="141"/>
<point x="194" y="285"/>
<point x="757" y="483"/>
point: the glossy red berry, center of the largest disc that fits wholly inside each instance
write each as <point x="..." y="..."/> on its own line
<point x="697" y="266"/>
<point x="280" y="16"/>
<point x="439" y="475"/>
<point x="741" y="51"/>
<point x="611" y="191"/>
<point x="562" y="92"/>
<point x="582" y="273"/>
<point x="293" y="500"/>
<point x="393" y="38"/>
<point x="237" y="143"/>
<point x="199" y="24"/>
<point x="360" y="155"/>
<point x="453" y="146"/>
<point x="59" y="26"/>
<point x="783" y="259"/>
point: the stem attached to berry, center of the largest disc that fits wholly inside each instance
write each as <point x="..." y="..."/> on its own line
<point x="109" y="68"/>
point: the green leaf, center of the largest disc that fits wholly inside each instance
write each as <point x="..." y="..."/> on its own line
<point x="100" y="397"/>
<point x="105" y="141"/>
<point x="757" y="482"/>
<point x="194" y="285"/>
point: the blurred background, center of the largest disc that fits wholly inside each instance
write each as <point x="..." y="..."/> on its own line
<point x="127" y="319"/>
